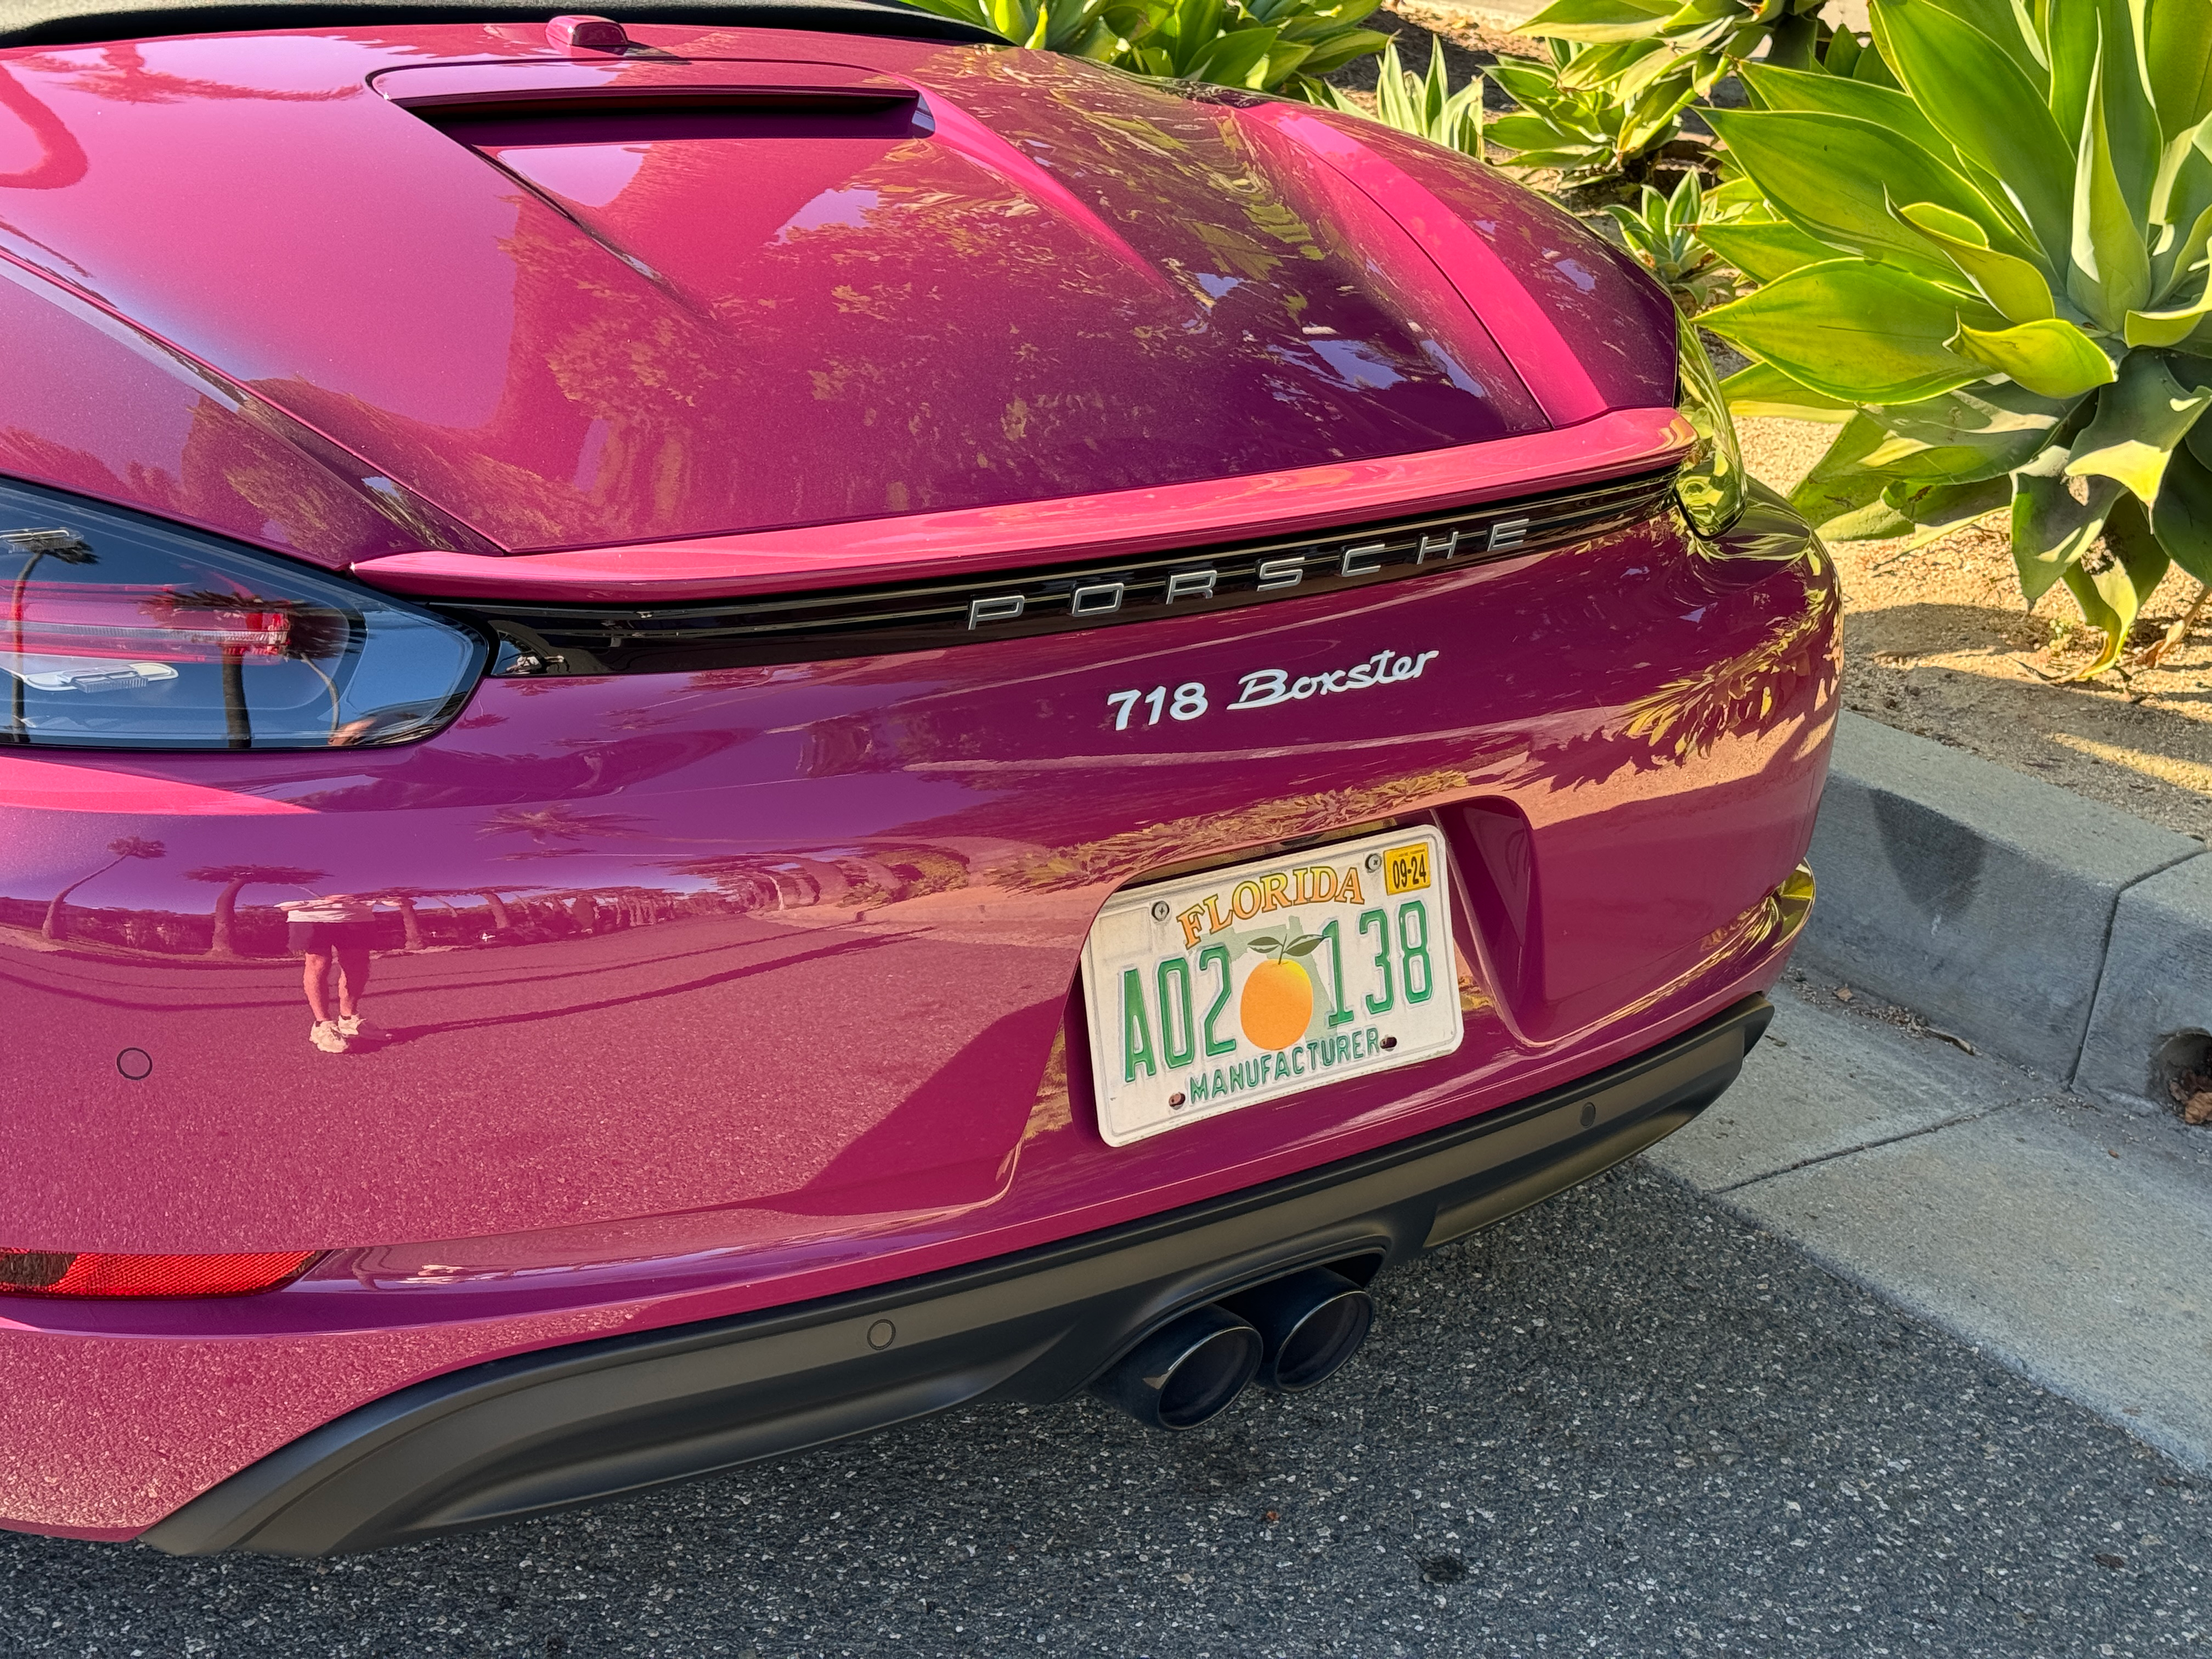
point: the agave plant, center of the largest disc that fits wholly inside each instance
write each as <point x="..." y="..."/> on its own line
<point x="1844" y="53"/>
<point x="1426" y="107"/>
<point x="1790" y="29"/>
<point x="1099" y="29"/>
<point x="1995" y="274"/>
<point x="1594" y="110"/>
<point x="1327" y="37"/>
<point x="1661" y="233"/>
<point x="1266" y="46"/>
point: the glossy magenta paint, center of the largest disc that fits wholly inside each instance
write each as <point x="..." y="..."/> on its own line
<point x="718" y="990"/>
<point x="97" y="406"/>
<point x="663" y="331"/>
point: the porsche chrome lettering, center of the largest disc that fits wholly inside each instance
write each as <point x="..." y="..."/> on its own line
<point x="1277" y="572"/>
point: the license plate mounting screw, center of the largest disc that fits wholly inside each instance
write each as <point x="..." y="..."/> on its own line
<point x="1161" y="911"/>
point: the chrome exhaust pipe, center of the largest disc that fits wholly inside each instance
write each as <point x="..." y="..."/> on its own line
<point x="1185" y="1372"/>
<point x="1309" y="1322"/>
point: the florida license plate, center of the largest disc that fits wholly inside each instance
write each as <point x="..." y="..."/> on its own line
<point x="1219" y="991"/>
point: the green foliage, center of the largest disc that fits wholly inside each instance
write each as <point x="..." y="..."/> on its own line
<point x="1731" y="28"/>
<point x="1662" y="232"/>
<point x="1266" y="46"/>
<point x="1098" y="29"/>
<point x="1595" y="110"/>
<point x="1425" y="106"/>
<point x="1995" y="273"/>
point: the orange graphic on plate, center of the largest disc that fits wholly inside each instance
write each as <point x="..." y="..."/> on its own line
<point x="1277" y="1005"/>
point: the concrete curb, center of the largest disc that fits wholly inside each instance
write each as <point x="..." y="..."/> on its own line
<point x="2062" y="1240"/>
<point x="2058" y="932"/>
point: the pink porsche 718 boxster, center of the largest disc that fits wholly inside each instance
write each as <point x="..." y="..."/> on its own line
<point x="730" y="723"/>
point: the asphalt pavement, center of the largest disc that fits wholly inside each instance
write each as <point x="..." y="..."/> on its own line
<point x="1627" y="1423"/>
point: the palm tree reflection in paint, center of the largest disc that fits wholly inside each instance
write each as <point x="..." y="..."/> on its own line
<point x="56" y="924"/>
<point x="245" y="627"/>
<point x="64" y="546"/>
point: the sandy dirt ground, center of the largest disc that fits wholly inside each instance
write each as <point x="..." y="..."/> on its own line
<point x="1937" y="640"/>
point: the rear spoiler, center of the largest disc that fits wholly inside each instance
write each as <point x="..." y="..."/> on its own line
<point x="1114" y="525"/>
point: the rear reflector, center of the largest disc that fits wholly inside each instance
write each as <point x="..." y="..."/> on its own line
<point x="90" y="1272"/>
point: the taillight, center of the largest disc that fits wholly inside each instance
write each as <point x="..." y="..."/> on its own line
<point x="95" y="1272"/>
<point x="119" y="631"/>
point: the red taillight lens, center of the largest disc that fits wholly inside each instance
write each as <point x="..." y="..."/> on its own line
<point x="99" y="1273"/>
<point x="120" y="631"/>
<point x="169" y="624"/>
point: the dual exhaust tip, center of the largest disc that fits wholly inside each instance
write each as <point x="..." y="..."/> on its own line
<point x="1286" y="1336"/>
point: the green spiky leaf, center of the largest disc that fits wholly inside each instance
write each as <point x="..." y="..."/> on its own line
<point x="2172" y="327"/>
<point x="2108" y="269"/>
<point x="1841" y="495"/>
<point x="1834" y="177"/>
<point x="2140" y="418"/>
<point x="1937" y="508"/>
<point x="2182" y="515"/>
<point x="2014" y="286"/>
<point x="1975" y="93"/>
<point x="1857" y="330"/>
<point x="2111" y="582"/>
<point x="1977" y="432"/>
<point x="2050" y="357"/>
<point x="1832" y="94"/>
<point x="1763" y="252"/>
<point x="1763" y="389"/>
<point x="2050" y="529"/>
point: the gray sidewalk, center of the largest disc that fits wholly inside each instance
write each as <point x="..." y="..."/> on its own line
<point x="2063" y="1238"/>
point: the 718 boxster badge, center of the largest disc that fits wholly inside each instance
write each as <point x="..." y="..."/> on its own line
<point x="1263" y="687"/>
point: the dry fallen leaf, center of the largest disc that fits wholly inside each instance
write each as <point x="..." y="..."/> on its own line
<point x="1843" y="994"/>
<point x="2192" y="1092"/>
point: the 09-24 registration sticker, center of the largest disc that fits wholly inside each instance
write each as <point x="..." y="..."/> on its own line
<point x="1245" y="984"/>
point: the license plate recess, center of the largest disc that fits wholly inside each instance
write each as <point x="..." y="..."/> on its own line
<point x="1211" y="993"/>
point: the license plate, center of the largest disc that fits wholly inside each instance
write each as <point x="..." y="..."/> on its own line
<point x="1245" y="984"/>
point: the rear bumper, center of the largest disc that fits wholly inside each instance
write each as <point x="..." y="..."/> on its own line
<point x="559" y="1427"/>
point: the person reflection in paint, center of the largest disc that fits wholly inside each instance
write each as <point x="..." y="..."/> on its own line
<point x="334" y="929"/>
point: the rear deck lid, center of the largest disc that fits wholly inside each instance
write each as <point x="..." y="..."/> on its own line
<point x="772" y="279"/>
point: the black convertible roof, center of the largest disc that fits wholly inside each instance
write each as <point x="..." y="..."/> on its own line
<point x="46" y="22"/>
